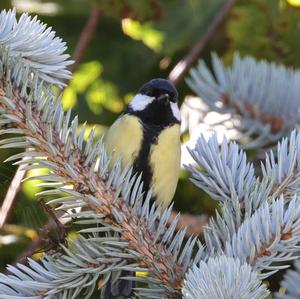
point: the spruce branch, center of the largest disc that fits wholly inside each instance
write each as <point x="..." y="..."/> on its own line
<point x="262" y="96"/>
<point x="213" y="279"/>
<point x="81" y="171"/>
<point x="14" y="187"/>
<point x="271" y="235"/>
<point x="59" y="276"/>
<point x="44" y="56"/>
<point x="224" y="173"/>
<point x="16" y="37"/>
<point x="283" y="167"/>
<point x="252" y="225"/>
<point x="57" y="147"/>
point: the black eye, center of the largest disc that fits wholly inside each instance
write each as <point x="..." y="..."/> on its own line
<point x="149" y="93"/>
<point x="172" y="97"/>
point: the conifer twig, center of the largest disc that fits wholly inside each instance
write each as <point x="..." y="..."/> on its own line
<point x="183" y="66"/>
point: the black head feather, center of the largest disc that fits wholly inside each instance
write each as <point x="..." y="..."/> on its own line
<point x="157" y="87"/>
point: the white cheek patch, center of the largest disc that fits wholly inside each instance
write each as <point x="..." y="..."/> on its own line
<point x="175" y="111"/>
<point x="140" y="102"/>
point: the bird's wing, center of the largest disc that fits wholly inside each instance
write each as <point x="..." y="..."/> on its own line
<point x="124" y="139"/>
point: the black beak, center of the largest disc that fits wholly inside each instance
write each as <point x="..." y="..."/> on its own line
<point x="164" y="98"/>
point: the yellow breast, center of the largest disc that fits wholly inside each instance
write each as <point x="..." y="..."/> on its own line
<point x="124" y="139"/>
<point x="165" y="163"/>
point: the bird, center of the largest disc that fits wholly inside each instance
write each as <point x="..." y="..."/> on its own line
<point x="147" y="138"/>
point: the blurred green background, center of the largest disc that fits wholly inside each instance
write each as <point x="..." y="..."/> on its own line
<point x="134" y="42"/>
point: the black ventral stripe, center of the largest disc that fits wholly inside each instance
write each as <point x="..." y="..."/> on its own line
<point x="142" y="162"/>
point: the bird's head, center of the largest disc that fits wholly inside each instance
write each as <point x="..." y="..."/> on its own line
<point x="156" y="103"/>
<point x="160" y="90"/>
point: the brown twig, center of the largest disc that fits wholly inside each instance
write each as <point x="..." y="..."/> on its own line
<point x="44" y="242"/>
<point x="46" y="236"/>
<point x="85" y="37"/>
<point x="83" y="42"/>
<point x="11" y="194"/>
<point x="245" y="108"/>
<point x="193" y="223"/>
<point x="183" y="66"/>
<point x="264" y="249"/>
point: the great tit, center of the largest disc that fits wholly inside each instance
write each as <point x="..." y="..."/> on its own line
<point x="147" y="137"/>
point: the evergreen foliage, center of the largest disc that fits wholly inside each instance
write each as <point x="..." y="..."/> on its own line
<point x="254" y="234"/>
